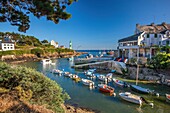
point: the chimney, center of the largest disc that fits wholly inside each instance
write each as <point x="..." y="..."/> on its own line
<point x="137" y="25"/>
<point x="152" y="24"/>
<point x="165" y="25"/>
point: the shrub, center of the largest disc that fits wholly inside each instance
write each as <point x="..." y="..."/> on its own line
<point x="32" y="86"/>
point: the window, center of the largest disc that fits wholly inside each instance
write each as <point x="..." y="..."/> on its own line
<point x="147" y="35"/>
<point x="167" y="42"/>
<point x="156" y="35"/>
<point x="11" y="47"/>
<point x="4" y="44"/>
<point x="4" y="47"/>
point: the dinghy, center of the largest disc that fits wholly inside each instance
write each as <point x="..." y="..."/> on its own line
<point x="76" y="78"/>
<point x="120" y="83"/>
<point x="168" y="96"/>
<point x="105" y="88"/>
<point x="140" y="89"/>
<point x="131" y="98"/>
<point x="87" y="82"/>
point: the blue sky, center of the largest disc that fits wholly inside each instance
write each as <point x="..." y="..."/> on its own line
<point x="98" y="24"/>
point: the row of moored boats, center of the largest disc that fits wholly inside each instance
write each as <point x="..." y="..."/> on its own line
<point x="128" y="96"/>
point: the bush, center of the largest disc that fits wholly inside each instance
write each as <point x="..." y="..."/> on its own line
<point x="37" y="51"/>
<point x="32" y="86"/>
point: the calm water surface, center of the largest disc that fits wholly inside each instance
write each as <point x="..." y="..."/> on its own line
<point x="91" y="98"/>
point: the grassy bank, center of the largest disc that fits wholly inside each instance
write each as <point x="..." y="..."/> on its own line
<point x="28" y="85"/>
<point x="36" y="51"/>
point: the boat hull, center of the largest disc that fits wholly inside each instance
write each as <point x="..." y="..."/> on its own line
<point x="140" y="89"/>
<point x="106" y="89"/>
<point x="168" y="96"/>
<point x="131" y="98"/>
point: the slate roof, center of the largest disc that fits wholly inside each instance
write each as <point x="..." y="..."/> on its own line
<point x="131" y="38"/>
<point x="152" y="28"/>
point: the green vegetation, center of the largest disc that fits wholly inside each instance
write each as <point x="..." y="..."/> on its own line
<point x="17" y="12"/>
<point x="35" y="51"/>
<point x="160" y="61"/>
<point x="32" y="86"/>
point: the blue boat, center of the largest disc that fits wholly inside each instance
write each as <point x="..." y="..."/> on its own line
<point x="140" y="89"/>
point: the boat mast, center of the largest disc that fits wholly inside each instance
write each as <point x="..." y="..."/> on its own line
<point x="137" y="66"/>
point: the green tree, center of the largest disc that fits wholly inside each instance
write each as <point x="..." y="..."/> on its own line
<point x="160" y="61"/>
<point x="44" y="41"/>
<point x="17" y="12"/>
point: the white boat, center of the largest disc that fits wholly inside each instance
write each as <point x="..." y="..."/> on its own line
<point x="87" y="82"/>
<point x="120" y="83"/>
<point x="46" y="61"/>
<point x="67" y="74"/>
<point x="109" y="77"/>
<point x="131" y="98"/>
<point x="57" y="71"/>
<point x="102" y="78"/>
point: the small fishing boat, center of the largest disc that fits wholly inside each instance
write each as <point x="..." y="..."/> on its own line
<point x="168" y="96"/>
<point x="102" y="77"/>
<point x="76" y="78"/>
<point x="67" y="74"/>
<point x="105" y="88"/>
<point x="87" y="82"/>
<point x="109" y="77"/>
<point x="46" y="61"/>
<point x="131" y="98"/>
<point x="57" y="71"/>
<point x="120" y="83"/>
<point x="140" y="89"/>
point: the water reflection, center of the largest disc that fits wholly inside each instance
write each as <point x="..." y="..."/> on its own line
<point x="92" y="98"/>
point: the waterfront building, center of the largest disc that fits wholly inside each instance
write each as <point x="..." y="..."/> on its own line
<point x="54" y="43"/>
<point x="6" y="43"/>
<point x="145" y="41"/>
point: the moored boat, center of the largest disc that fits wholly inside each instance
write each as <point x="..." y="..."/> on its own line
<point x="131" y="98"/>
<point x="140" y="89"/>
<point x="168" y="96"/>
<point x="87" y="82"/>
<point x="109" y="77"/>
<point x="105" y="88"/>
<point x="67" y="74"/>
<point x="102" y="77"/>
<point x="120" y="83"/>
<point x="76" y="78"/>
<point x="46" y="61"/>
<point x="57" y="71"/>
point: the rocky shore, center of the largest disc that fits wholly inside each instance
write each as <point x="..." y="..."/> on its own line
<point x="32" y="57"/>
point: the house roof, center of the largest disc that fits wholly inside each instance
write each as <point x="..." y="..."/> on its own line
<point x="131" y="38"/>
<point x="153" y="28"/>
<point x="163" y="32"/>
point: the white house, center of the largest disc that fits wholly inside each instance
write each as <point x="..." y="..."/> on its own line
<point x="7" y="44"/>
<point x="54" y="43"/>
<point x="143" y="43"/>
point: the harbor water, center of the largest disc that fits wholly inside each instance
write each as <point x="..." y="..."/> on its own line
<point x="83" y="96"/>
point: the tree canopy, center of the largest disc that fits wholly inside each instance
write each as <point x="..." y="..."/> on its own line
<point x="17" y="12"/>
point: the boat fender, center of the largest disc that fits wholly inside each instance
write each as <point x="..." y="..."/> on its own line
<point x="151" y="104"/>
<point x="114" y="94"/>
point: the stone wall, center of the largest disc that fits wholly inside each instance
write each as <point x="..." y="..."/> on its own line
<point x="150" y="75"/>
